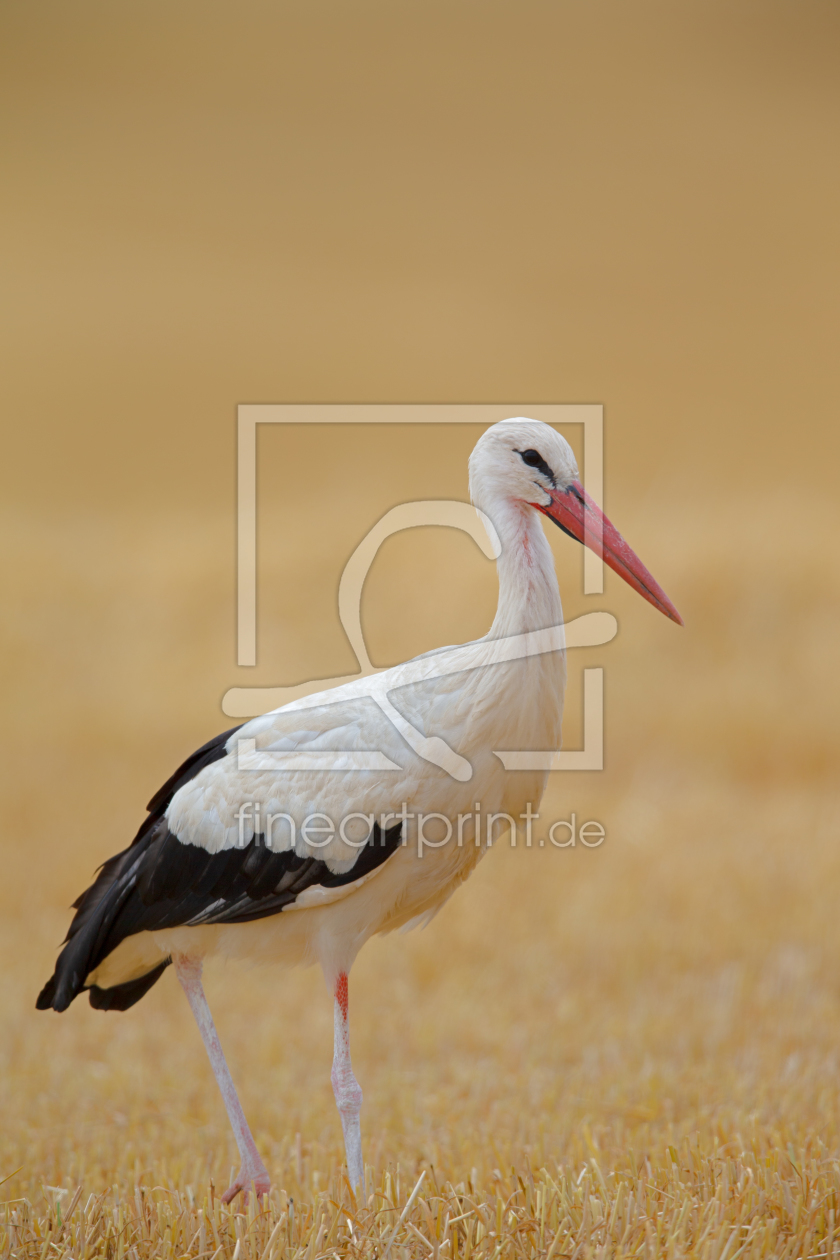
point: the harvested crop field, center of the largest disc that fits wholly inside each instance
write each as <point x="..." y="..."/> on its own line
<point x="632" y="1049"/>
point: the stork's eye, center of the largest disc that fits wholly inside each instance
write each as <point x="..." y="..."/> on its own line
<point x="534" y="460"/>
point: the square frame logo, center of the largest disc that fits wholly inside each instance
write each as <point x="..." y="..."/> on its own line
<point x="589" y="630"/>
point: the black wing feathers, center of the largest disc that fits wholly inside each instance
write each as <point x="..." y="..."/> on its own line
<point x="212" y="751"/>
<point x="169" y="868"/>
<point x="160" y="882"/>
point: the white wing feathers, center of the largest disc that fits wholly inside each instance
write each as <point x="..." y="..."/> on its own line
<point x="286" y="767"/>
<point x="425" y="728"/>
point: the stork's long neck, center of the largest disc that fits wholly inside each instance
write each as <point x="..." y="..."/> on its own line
<point x="529" y="598"/>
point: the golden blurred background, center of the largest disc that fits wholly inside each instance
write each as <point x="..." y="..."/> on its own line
<point x="628" y="204"/>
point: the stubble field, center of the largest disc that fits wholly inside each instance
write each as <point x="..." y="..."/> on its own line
<point x="625" y="1050"/>
<point x="630" y="1050"/>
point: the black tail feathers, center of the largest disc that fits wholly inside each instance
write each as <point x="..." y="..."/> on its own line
<point x="119" y="998"/>
<point x="111" y="908"/>
<point x="122" y="996"/>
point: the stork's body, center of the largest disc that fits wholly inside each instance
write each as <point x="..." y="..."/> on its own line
<point x="283" y="849"/>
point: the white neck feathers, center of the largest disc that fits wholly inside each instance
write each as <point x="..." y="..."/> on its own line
<point x="529" y="598"/>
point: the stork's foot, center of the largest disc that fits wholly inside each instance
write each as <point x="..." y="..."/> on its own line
<point x="258" y="1177"/>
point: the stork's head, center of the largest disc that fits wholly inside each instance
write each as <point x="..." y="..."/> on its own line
<point x="528" y="463"/>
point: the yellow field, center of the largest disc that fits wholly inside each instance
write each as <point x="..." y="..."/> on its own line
<point x="633" y="1050"/>
<point x="636" y="1043"/>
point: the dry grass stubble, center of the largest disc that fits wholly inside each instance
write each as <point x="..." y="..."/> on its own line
<point x="621" y="1051"/>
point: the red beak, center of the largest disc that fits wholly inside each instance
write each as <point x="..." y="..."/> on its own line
<point x="579" y="516"/>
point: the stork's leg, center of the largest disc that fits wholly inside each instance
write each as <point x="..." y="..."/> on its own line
<point x="188" y="971"/>
<point x="346" y="1088"/>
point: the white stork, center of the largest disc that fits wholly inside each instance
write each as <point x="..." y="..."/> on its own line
<point x="323" y="834"/>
